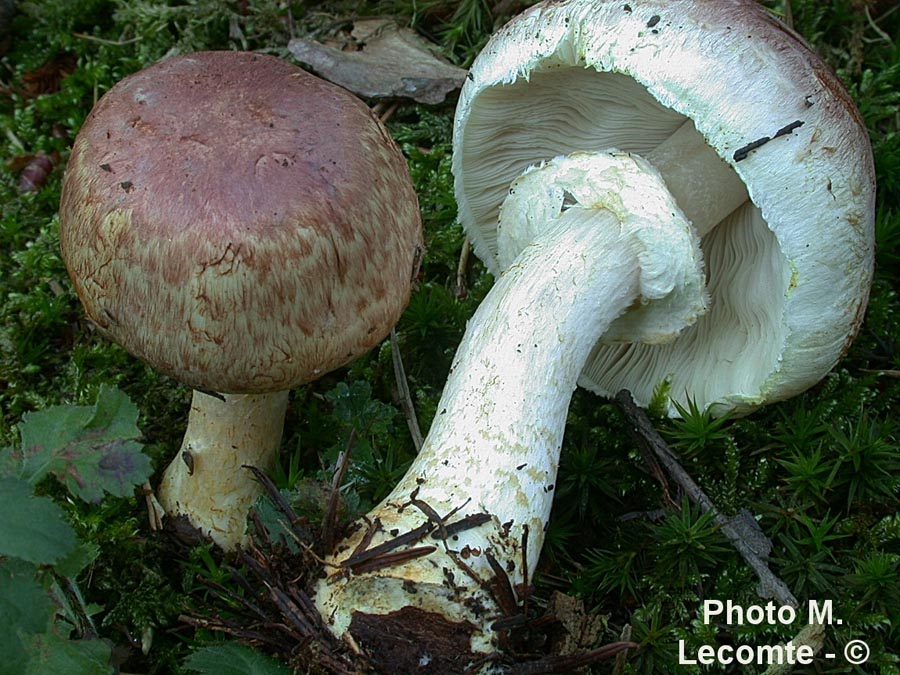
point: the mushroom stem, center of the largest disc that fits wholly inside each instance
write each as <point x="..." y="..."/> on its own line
<point x="206" y="482"/>
<point x="493" y="447"/>
<point x="491" y="456"/>
<point x="705" y="187"/>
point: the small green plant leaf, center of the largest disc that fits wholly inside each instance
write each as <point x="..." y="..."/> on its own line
<point x="79" y="558"/>
<point x="25" y="610"/>
<point x="50" y="654"/>
<point x="33" y="528"/>
<point x="234" y="659"/>
<point x="91" y="449"/>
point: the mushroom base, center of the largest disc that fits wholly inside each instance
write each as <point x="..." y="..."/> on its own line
<point x="207" y="482"/>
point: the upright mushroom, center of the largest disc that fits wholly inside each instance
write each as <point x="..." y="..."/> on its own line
<point x="761" y="149"/>
<point x="244" y="227"/>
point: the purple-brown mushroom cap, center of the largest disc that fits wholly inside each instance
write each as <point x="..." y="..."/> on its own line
<point x="238" y="223"/>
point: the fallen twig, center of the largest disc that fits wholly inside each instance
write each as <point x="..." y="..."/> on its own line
<point x="887" y="372"/>
<point x="875" y="27"/>
<point x="406" y="539"/>
<point x="741" y="530"/>
<point x="403" y="392"/>
<point x="772" y="586"/>
<point x="298" y="525"/>
<point x="622" y="657"/>
<point x="104" y="41"/>
<point x="385" y="111"/>
<point x="570" y="662"/>
<point x="329" y="525"/>
<point x="787" y="14"/>
<point x="155" y="511"/>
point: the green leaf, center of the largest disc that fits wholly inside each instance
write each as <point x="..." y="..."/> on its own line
<point x="91" y="449"/>
<point x="234" y="659"/>
<point x="25" y="610"/>
<point x="80" y="557"/>
<point x="274" y="522"/>
<point x="51" y="654"/>
<point x="355" y="406"/>
<point x="32" y="528"/>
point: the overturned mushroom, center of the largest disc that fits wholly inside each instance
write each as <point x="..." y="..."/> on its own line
<point x="244" y="227"/>
<point x="714" y="95"/>
<point x="612" y="238"/>
<point x="752" y="138"/>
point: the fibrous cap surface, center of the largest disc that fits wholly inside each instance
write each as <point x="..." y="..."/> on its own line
<point x="239" y="224"/>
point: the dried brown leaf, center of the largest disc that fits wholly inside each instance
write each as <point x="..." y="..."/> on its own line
<point x="393" y="62"/>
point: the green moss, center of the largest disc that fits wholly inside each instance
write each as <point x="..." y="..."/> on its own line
<point x="820" y="471"/>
